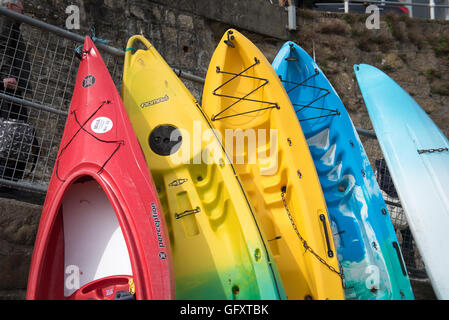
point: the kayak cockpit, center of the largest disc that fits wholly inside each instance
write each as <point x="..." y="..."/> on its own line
<point x="86" y="254"/>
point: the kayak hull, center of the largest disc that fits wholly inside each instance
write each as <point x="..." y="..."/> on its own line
<point x="244" y="99"/>
<point x="366" y="241"/>
<point x="100" y="177"/>
<point x="417" y="155"/>
<point x="218" y="249"/>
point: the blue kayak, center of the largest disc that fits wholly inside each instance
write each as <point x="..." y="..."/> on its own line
<point x="417" y="155"/>
<point x="366" y="242"/>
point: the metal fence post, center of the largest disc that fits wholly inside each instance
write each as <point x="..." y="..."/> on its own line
<point x="291" y="17"/>
<point x="410" y="8"/>
<point x="445" y="10"/>
<point x="432" y="9"/>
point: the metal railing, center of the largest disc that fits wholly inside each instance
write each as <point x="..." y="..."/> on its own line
<point x="41" y="57"/>
<point x="409" y="3"/>
<point x="46" y="91"/>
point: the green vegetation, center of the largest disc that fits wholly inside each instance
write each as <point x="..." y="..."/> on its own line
<point x="333" y="27"/>
<point x="441" y="46"/>
<point x="323" y="66"/>
<point x="306" y="14"/>
<point x="415" y="37"/>
<point x="350" y="18"/>
<point x="442" y="91"/>
<point x="432" y="74"/>
<point x="394" y="26"/>
<point x="369" y="38"/>
<point x="387" y="68"/>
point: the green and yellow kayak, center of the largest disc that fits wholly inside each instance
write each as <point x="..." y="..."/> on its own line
<point x="217" y="245"/>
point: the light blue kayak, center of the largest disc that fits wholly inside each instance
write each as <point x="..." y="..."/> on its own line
<point x="417" y="155"/>
<point x="367" y="247"/>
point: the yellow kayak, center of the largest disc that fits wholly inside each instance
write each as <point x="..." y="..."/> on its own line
<point x="218" y="250"/>
<point x="244" y="98"/>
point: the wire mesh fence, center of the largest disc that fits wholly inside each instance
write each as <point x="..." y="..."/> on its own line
<point x="43" y="66"/>
<point x="42" y="61"/>
<point x="412" y="258"/>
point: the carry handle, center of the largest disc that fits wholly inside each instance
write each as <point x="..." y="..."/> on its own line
<point x="129" y="53"/>
<point x="401" y="260"/>
<point x="330" y="253"/>
<point x="138" y="37"/>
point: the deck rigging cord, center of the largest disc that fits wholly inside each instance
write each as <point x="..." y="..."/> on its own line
<point x="272" y="105"/>
<point x="332" y="112"/>
<point x="81" y="128"/>
<point x="79" y="50"/>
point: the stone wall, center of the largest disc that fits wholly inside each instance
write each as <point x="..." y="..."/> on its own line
<point x="18" y="227"/>
<point x="414" y="52"/>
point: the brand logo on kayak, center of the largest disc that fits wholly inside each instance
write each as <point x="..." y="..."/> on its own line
<point x="108" y="292"/>
<point x="242" y="147"/>
<point x="157" y="224"/>
<point x="89" y="81"/>
<point x="155" y="101"/>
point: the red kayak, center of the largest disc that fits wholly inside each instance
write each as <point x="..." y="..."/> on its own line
<point x="102" y="233"/>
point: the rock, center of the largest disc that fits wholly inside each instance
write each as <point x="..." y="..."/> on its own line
<point x="18" y="221"/>
<point x="15" y="265"/>
<point x="334" y="26"/>
<point x="170" y="18"/>
<point x="393" y="61"/>
<point x="422" y="289"/>
<point x="18" y="227"/>
<point x="12" y="294"/>
<point x="186" y="56"/>
<point x="185" y="22"/>
<point x="332" y="67"/>
<point x="444" y="104"/>
<point x="154" y="32"/>
<point x="384" y="32"/>
<point x="416" y="90"/>
<point x="157" y="14"/>
<point x="169" y="34"/>
<point x="344" y="83"/>
<point x="110" y="3"/>
<point x="402" y="76"/>
<point x="138" y="12"/>
<point x="425" y="60"/>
